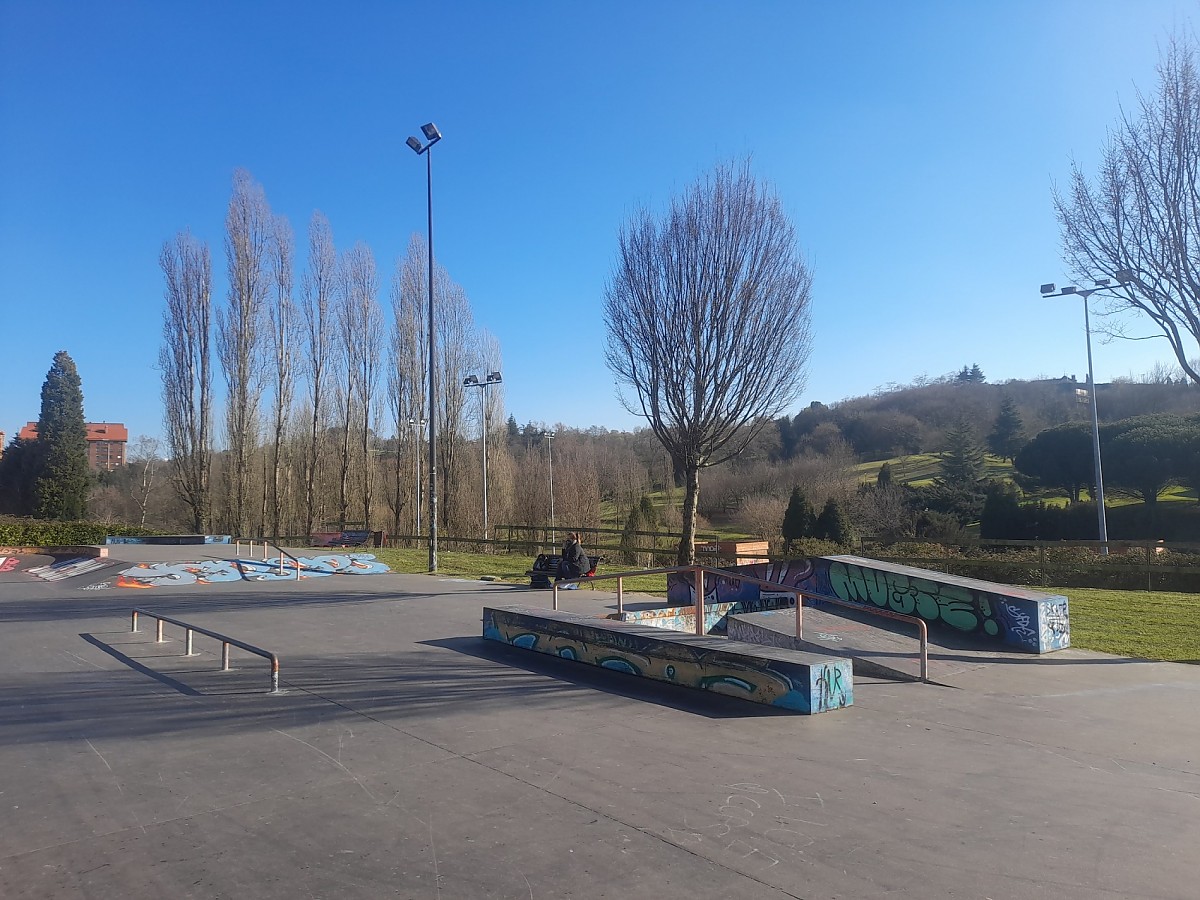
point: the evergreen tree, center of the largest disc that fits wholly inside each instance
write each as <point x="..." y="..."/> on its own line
<point x="16" y="477"/>
<point x="962" y="461"/>
<point x="884" y="479"/>
<point x="798" y="519"/>
<point x="60" y="488"/>
<point x="1007" y="435"/>
<point x="833" y="524"/>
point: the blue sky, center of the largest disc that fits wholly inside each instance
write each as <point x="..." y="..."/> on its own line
<point x="915" y="146"/>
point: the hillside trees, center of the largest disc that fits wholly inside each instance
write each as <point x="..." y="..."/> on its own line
<point x="1139" y="215"/>
<point x="708" y="322"/>
<point x="319" y="289"/>
<point x="185" y="363"/>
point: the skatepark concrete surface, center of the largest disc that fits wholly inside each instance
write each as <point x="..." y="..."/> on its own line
<point x="405" y="757"/>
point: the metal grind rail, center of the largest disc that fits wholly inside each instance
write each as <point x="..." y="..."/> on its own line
<point x="226" y="643"/>
<point x="698" y="588"/>
<point x="237" y="545"/>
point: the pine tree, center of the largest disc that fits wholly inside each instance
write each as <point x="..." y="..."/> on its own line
<point x="833" y="524"/>
<point x="1008" y="431"/>
<point x="798" y="519"/>
<point x="962" y="461"/>
<point x="61" y="485"/>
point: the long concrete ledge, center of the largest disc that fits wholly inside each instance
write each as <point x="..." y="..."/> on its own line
<point x="803" y="682"/>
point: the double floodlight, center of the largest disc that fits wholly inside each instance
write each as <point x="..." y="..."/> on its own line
<point x="473" y="380"/>
<point x="432" y="136"/>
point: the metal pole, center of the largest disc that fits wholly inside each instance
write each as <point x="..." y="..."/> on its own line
<point x="699" y="574"/>
<point x="799" y="616"/>
<point x="483" y="399"/>
<point x="550" y="451"/>
<point x="432" y="373"/>
<point x="1095" y="431"/>
<point x="620" y="595"/>
<point x="187" y="637"/>
<point x="134" y="623"/>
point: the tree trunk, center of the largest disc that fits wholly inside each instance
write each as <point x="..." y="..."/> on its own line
<point x="691" y="500"/>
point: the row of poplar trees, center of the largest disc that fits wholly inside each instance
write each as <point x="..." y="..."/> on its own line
<point x="316" y="367"/>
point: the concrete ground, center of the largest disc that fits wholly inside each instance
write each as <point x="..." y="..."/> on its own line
<point x="408" y="758"/>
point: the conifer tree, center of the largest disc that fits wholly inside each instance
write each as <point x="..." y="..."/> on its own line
<point x="60" y="487"/>
<point x="1007" y="435"/>
<point x="798" y="519"/>
<point x="833" y="524"/>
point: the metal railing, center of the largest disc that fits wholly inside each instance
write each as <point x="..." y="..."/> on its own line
<point x="225" y="640"/>
<point x="237" y="549"/>
<point x="698" y="588"/>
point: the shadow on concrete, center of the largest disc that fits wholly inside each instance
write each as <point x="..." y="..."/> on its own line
<point x="685" y="699"/>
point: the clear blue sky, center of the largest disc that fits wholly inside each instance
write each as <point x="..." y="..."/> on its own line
<point x="914" y="144"/>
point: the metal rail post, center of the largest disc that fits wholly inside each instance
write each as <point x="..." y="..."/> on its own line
<point x="698" y="573"/>
<point x="620" y="596"/>
<point x="799" y="615"/>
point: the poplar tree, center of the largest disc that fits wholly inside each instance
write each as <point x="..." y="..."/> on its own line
<point x="62" y="477"/>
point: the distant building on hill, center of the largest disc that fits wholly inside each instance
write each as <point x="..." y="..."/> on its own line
<point x="105" y="443"/>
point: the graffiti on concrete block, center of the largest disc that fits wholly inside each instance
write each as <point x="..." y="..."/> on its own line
<point x="933" y="601"/>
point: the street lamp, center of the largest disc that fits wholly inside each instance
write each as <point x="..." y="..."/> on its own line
<point x="493" y="378"/>
<point x="549" y="436"/>
<point x="418" y="427"/>
<point x="1123" y="278"/>
<point x="432" y="136"/>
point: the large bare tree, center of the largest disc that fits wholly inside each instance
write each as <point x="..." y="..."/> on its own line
<point x="283" y="352"/>
<point x="363" y="330"/>
<point x="249" y="231"/>
<point x="708" y="322"/>
<point x="320" y="289"/>
<point x="1142" y="213"/>
<point x="185" y="360"/>
<point x="406" y="375"/>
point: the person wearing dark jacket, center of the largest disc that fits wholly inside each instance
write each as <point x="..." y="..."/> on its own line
<point x="574" y="562"/>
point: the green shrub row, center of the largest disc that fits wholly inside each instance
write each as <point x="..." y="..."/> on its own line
<point x="16" y="532"/>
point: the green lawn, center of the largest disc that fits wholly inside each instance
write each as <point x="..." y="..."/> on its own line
<point x="1135" y="623"/>
<point x="1126" y="623"/>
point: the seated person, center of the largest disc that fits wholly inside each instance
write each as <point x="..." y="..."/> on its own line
<point x="574" y="562"/>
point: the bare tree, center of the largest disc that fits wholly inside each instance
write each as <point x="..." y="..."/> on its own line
<point x="249" y="228"/>
<point x="320" y="286"/>
<point x="283" y="351"/>
<point x="185" y="360"/>
<point x="143" y="460"/>
<point x="406" y="379"/>
<point x="458" y="354"/>
<point x="708" y="317"/>
<point x="364" y="333"/>
<point x="1142" y="214"/>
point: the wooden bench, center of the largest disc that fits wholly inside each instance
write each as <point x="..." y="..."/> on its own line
<point x="787" y="679"/>
<point x="545" y="568"/>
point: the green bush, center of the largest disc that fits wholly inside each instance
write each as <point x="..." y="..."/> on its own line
<point x="16" y="532"/>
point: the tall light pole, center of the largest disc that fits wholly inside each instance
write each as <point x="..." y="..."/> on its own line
<point x="549" y="436"/>
<point x="432" y="136"/>
<point x="493" y="378"/>
<point x="1104" y="284"/>
<point x="418" y="427"/>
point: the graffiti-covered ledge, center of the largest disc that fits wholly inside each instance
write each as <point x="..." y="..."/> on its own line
<point x="997" y="613"/>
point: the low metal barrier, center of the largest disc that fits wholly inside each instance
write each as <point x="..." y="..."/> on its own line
<point x="698" y="587"/>
<point x="226" y="643"/>
<point x="237" y="547"/>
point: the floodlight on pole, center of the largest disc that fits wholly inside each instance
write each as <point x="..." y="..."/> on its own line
<point x="492" y="378"/>
<point x="432" y="136"/>
<point x="1123" y="278"/>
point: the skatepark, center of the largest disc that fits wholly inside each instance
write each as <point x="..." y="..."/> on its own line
<point x="406" y="756"/>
